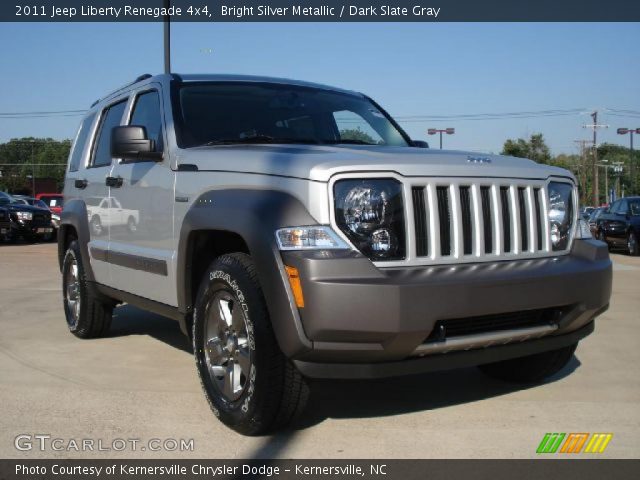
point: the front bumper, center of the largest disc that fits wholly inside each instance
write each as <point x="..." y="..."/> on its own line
<point x="31" y="228"/>
<point x="357" y="313"/>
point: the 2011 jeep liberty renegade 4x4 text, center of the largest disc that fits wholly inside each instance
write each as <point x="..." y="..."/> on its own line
<point x="295" y="231"/>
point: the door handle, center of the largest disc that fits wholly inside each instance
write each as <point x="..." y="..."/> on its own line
<point x="114" y="182"/>
<point x="81" y="184"/>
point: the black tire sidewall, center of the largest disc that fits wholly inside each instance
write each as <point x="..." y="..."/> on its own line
<point x="246" y="413"/>
<point x="73" y="253"/>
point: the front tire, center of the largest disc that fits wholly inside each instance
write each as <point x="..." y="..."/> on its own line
<point x="530" y="369"/>
<point x="251" y="386"/>
<point x="87" y="316"/>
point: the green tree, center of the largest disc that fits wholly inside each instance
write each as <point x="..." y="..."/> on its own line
<point x="356" y="134"/>
<point x="30" y="156"/>
<point x="534" y="148"/>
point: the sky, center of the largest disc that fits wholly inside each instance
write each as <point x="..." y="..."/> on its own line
<point x="434" y="69"/>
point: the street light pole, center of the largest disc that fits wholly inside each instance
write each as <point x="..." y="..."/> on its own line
<point x="605" y="165"/>
<point x="448" y="131"/>
<point x="630" y="131"/>
<point x="33" y="169"/>
<point x="596" y="187"/>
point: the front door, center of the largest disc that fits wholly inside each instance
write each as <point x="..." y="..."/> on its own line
<point x="142" y="238"/>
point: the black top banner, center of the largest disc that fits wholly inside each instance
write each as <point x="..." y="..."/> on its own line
<point x="320" y="11"/>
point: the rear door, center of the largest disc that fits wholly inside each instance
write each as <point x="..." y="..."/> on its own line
<point x="96" y="192"/>
<point x="142" y="238"/>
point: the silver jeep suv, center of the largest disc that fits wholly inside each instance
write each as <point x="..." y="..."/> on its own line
<point x="295" y="231"/>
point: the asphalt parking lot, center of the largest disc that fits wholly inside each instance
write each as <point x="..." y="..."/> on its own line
<point x="140" y="383"/>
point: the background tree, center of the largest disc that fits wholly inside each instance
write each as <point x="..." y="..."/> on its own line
<point x="356" y="134"/>
<point x="535" y="148"/>
<point x="581" y="165"/>
<point x="27" y="151"/>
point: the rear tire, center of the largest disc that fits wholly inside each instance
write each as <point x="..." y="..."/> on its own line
<point x="530" y="369"/>
<point x="249" y="383"/>
<point x="87" y="315"/>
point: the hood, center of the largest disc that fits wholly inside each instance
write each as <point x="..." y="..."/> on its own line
<point x="320" y="162"/>
<point x="12" y="207"/>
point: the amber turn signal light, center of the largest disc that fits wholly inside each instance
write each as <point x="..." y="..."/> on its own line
<point x="296" y="286"/>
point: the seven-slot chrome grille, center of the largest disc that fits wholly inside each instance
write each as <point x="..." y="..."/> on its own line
<point x="471" y="220"/>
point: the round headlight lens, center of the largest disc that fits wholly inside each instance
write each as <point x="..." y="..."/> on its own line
<point x="560" y="196"/>
<point x="370" y="213"/>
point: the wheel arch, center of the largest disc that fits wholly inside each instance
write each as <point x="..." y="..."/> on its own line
<point x="220" y="221"/>
<point x="74" y="225"/>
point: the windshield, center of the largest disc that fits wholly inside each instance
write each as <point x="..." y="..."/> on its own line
<point x="238" y="112"/>
<point x="52" y="201"/>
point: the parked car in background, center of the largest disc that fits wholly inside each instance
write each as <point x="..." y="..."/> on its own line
<point x="585" y="212"/>
<point x="32" y="222"/>
<point x="54" y="201"/>
<point x="619" y="225"/>
<point x="5" y="224"/>
<point x="594" y="217"/>
<point x="36" y="202"/>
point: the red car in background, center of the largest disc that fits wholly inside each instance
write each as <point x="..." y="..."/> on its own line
<point x="53" y="200"/>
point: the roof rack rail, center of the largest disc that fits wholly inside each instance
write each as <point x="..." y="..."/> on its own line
<point x="138" y="79"/>
<point x="144" y="76"/>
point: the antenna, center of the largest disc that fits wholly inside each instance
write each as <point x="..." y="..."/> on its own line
<point x="167" y="38"/>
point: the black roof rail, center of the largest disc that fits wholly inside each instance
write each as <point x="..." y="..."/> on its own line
<point x="138" y="79"/>
<point x="144" y="76"/>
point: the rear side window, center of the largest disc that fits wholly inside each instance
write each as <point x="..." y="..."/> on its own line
<point x="146" y="113"/>
<point x="81" y="140"/>
<point x="102" y="148"/>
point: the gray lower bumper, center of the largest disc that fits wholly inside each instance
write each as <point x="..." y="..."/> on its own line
<point x="357" y="313"/>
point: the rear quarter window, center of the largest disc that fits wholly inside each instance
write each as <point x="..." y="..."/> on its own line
<point x="80" y="142"/>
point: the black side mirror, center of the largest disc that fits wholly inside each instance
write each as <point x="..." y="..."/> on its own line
<point x="131" y="142"/>
<point x="419" y="144"/>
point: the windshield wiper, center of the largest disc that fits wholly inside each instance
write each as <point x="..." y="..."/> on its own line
<point x="255" y="139"/>
<point x="350" y="141"/>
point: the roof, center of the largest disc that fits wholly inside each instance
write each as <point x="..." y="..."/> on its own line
<point x="259" y="78"/>
<point x="217" y="77"/>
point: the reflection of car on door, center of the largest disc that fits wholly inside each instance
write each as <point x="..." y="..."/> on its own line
<point x="53" y="200"/>
<point x="619" y="225"/>
<point x="108" y="212"/>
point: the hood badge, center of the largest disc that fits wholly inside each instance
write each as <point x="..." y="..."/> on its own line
<point x="473" y="159"/>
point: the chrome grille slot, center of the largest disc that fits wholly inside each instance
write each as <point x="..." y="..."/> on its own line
<point x="539" y="225"/>
<point x="468" y="220"/>
<point x="524" y="225"/>
<point x="420" y="221"/>
<point x="444" y="212"/>
<point x="487" y="222"/>
<point x="506" y="219"/>
<point x="465" y="206"/>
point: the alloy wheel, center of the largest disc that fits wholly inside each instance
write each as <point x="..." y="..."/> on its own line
<point x="226" y="345"/>
<point x="72" y="293"/>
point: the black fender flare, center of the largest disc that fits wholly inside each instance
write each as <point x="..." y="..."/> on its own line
<point x="74" y="215"/>
<point x="254" y="215"/>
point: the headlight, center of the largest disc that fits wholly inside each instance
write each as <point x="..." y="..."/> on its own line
<point x="309" y="238"/>
<point x="370" y="213"/>
<point x="24" y="215"/>
<point x="560" y="214"/>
